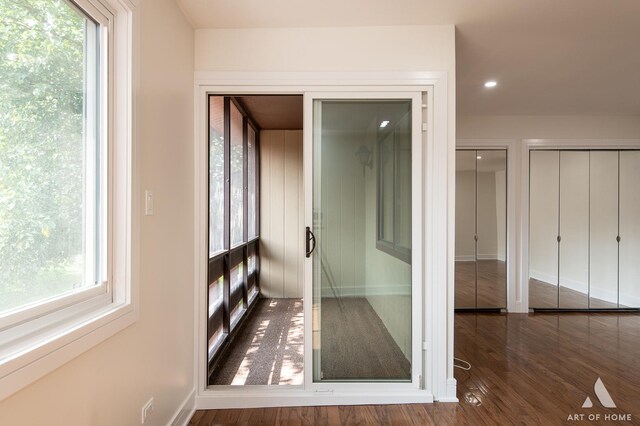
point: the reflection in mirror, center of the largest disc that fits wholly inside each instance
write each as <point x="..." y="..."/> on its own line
<point x="574" y="230"/>
<point x="629" y="229"/>
<point x="491" y="200"/>
<point x="543" y="228"/>
<point x="603" y="291"/>
<point x="465" y="261"/>
<point x="362" y="285"/>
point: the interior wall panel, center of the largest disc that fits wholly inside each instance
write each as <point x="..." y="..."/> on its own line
<point x="281" y="218"/>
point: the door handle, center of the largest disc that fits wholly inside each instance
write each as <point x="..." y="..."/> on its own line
<point x="310" y="238"/>
<point x="475" y="237"/>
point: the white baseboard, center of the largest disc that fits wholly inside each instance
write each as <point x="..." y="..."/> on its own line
<point x="185" y="411"/>
<point x="364" y="291"/>
<point x="466" y="258"/>
<point x="472" y="258"/>
<point x="296" y="398"/>
<point x="452" y="389"/>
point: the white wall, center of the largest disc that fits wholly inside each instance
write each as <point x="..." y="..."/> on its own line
<point x="548" y="127"/>
<point x="491" y="207"/>
<point x="487" y="216"/>
<point x="344" y="49"/>
<point x="341" y="217"/>
<point x="154" y="357"/>
<point x="387" y="278"/>
<point x="501" y="214"/>
<point x="465" y="214"/>
<point x="281" y="213"/>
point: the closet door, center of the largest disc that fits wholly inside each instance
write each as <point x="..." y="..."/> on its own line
<point x="544" y="186"/>
<point x="491" y="202"/>
<point x="465" y="263"/>
<point x="629" y="269"/>
<point x="574" y="230"/>
<point x="603" y="230"/>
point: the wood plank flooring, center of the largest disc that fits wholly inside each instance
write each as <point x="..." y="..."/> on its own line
<point x="492" y="284"/>
<point x="533" y="369"/>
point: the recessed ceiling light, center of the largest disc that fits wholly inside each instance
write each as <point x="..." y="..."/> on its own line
<point x="491" y="83"/>
<point x="479" y="157"/>
<point x="384" y="124"/>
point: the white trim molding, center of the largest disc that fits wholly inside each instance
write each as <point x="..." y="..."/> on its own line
<point x="183" y="414"/>
<point x="438" y="160"/>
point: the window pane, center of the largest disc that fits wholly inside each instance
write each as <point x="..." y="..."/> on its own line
<point x="237" y="279"/>
<point x="251" y="200"/>
<point x="48" y="161"/>
<point x="215" y="313"/>
<point x="216" y="174"/>
<point x="237" y="158"/>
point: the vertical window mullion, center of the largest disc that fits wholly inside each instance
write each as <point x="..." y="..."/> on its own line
<point x="256" y="253"/>
<point x="227" y="211"/>
<point x="245" y="208"/>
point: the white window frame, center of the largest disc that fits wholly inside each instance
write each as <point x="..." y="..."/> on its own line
<point x="438" y="165"/>
<point x="38" y="338"/>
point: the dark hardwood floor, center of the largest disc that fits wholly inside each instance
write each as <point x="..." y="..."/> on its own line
<point x="534" y="369"/>
<point x="492" y="284"/>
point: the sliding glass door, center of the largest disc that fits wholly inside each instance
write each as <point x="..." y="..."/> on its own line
<point x="363" y="237"/>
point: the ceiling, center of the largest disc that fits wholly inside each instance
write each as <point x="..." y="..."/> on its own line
<point x="550" y="57"/>
<point x="274" y="112"/>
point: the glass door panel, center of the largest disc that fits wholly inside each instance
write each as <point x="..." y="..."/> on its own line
<point x="465" y="262"/>
<point x="574" y="230"/>
<point x="629" y="229"/>
<point x="491" y="212"/>
<point x="544" y="175"/>
<point x="362" y="293"/>
<point x="603" y="291"/>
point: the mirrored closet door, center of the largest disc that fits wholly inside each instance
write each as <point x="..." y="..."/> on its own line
<point x="481" y="229"/>
<point x="584" y="235"/>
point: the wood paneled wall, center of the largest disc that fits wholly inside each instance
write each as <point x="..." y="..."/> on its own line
<point x="281" y="213"/>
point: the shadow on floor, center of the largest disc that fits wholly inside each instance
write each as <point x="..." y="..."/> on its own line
<point x="269" y="348"/>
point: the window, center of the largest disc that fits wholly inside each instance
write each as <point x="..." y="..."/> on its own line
<point x="237" y="180"/>
<point x="64" y="223"/>
<point x="394" y="184"/>
<point x="233" y="215"/>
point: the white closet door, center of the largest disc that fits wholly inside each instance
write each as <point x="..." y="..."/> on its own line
<point x="629" y="229"/>
<point x="603" y="259"/>
<point x="574" y="230"/>
<point x="543" y="232"/>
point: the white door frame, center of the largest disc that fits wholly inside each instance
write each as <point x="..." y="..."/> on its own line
<point x="512" y="146"/>
<point x="438" y="165"/>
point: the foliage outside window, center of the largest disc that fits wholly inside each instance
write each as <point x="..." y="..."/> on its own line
<point x="49" y="152"/>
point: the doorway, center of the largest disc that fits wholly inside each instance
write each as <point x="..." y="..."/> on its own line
<point x="255" y="318"/>
<point x="419" y="384"/>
